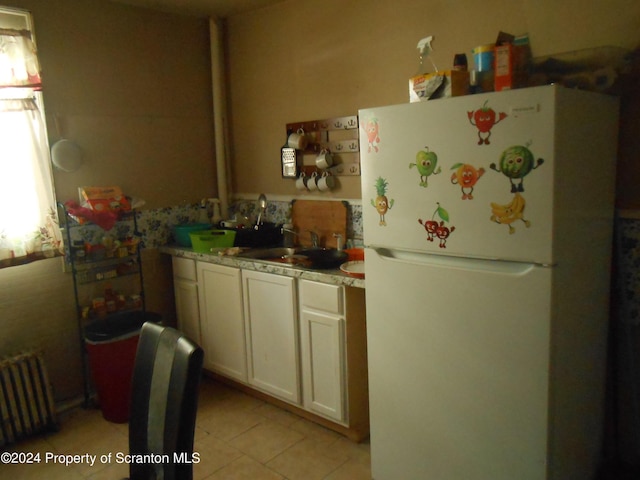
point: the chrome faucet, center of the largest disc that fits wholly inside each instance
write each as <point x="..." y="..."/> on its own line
<point x="315" y="241"/>
<point x="338" y="237"/>
<point x="288" y="235"/>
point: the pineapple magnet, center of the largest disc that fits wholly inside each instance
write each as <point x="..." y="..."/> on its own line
<point x="516" y="163"/>
<point x="427" y="164"/>
<point x="437" y="229"/>
<point x="466" y="176"/>
<point x="484" y="119"/>
<point x="509" y="213"/>
<point x="382" y="204"/>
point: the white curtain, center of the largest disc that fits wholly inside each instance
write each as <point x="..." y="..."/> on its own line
<point x="28" y="227"/>
<point x="19" y="66"/>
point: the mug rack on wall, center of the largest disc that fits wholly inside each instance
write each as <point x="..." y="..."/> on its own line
<point x="338" y="135"/>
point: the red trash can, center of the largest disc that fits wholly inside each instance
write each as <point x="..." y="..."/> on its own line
<point x="111" y="346"/>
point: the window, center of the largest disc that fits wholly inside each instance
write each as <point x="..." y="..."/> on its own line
<point x="27" y="201"/>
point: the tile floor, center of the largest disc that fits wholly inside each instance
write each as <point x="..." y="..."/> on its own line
<point x="237" y="437"/>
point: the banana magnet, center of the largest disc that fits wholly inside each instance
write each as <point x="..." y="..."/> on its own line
<point x="509" y="213"/>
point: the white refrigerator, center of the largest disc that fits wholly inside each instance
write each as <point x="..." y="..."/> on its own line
<point x="488" y="226"/>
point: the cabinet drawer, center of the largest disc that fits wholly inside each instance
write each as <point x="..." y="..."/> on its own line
<point x="322" y="296"/>
<point x="184" y="268"/>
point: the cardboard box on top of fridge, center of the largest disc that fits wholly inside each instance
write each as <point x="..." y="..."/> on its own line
<point x="102" y="199"/>
<point x="512" y="56"/>
<point x="441" y="84"/>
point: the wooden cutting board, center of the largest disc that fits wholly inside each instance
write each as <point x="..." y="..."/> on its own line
<point x="321" y="216"/>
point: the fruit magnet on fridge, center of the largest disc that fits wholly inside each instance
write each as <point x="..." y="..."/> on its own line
<point x="426" y="163"/>
<point x="484" y="119"/>
<point x="516" y="163"/>
<point x="466" y="176"/>
<point x="509" y="213"/>
<point x="438" y="229"/>
<point x="371" y="128"/>
<point x="382" y="204"/>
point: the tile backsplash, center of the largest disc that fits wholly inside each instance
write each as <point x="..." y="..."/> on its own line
<point x="627" y="270"/>
<point x="156" y="226"/>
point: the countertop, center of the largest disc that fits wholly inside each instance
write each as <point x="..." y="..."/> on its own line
<point x="334" y="277"/>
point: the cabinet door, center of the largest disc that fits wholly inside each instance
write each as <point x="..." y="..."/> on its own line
<point x="221" y="320"/>
<point x="272" y="334"/>
<point x="323" y="364"/>
<point x="187" y="310"/>
<point x="184" y="268"/>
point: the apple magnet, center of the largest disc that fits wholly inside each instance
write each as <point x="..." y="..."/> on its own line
<point x="427" y="164"/>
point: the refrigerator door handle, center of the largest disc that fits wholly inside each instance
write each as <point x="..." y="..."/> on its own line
<point x="503" y="267"/>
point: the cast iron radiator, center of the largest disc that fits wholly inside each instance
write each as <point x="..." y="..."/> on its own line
<point x="26" y="399"/>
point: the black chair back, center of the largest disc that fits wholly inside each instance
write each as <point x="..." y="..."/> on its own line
<point x="164" y="400"/>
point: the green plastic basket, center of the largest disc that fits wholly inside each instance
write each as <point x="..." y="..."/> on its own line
<point x="181" y="232"/>
<point x="204" y="241"/>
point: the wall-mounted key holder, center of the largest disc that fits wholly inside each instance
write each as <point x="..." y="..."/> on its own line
<point x="339" y="123"/>
<point x="346" y="169"/>
<point x="338" y="135"/>
<point x="344" y="146"/>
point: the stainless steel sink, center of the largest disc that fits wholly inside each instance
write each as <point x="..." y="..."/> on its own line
<point x="280" y="255"/>
<point x="268" y="253"/>
<point x="314" y="258"/>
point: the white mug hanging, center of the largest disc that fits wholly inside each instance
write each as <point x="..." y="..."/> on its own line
<point x="297" y="140"/>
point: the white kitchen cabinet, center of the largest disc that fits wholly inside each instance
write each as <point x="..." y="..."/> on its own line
<point x="222" y="320"/>
<point x="334" y="355"/>
<point x="271" y="325"/>
<point x="322" y="349"/>
<point x="185" y="287"/>
<point x="295" y="342"/>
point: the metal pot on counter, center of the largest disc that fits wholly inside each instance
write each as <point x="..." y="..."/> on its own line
<point x="267" y="234"/>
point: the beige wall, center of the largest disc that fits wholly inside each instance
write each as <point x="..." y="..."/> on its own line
<point x="309" y="59"/>
<point x="132" y="88"/>
<point x="37" y="311"/>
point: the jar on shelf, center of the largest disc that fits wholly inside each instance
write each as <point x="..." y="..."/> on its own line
<point x="121" y="301"/>
<point x="77" y="251"/>
<point x="99" y="306"/>
<point x="135" y="302"/>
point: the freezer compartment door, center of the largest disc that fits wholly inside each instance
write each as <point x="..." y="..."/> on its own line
<point x="540" y="180"/>
<point x="458" y="367"/>
<point x="435" y="189"/>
